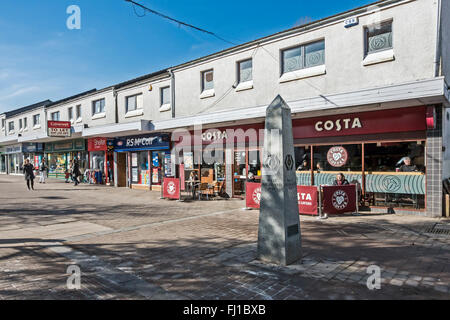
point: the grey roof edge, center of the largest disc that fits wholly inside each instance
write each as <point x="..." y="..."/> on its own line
<point x="67" y="99"/>
<point x="28" y="108"/>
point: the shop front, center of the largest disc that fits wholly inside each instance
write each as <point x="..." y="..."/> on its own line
<point x="14" y="159"/>
<point x="34" y="152"/>
<point x="3" y="161"/>
<point x="383" y="152"/>
<point x="143" y="160"/>
<point x="222" y="159"/>
<point x="100" y="160"/>
<point x="61" y="153"/>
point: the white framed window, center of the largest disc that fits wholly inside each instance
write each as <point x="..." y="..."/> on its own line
<point x="3" y="123"/>
<point x="245" y="72"/>
<point x="133" y="102"/>
<point x="25" y="123"/>
<point x="98" y="106"/>
<point x="78" y="111"/>
<point x="70" y="113"/>
<point x="11" y="126"/>
<point x="207" y="80"/>
<point x="378" y="37"/>
<point x="55" y="116"/>
<point x="165" y="96"/>
<point x="36" y="120"/>
<point x="20" y="124"/>
<point x="302" y="57"/>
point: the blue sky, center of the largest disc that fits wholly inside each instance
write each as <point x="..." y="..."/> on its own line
<point x="41" y="59"/>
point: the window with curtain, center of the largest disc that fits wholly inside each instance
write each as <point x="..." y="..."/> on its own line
<point x="245" y="71"/>
<point x="165" y="95"/>
<point x="207" y="80"/>
<point x="98" y="106"/>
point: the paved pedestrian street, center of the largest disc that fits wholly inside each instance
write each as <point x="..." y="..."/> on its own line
<point x="130" y="244"/>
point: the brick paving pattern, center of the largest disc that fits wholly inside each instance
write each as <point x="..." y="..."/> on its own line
<point x="130" y="244"/>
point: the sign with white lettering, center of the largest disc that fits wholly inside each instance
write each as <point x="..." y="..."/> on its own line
<point x="337" y="156"/>
<point x="59" y="129"/>
<point x="143" y="142"/>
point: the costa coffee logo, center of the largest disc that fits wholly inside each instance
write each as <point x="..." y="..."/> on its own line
<point x="337" y="156"/>
<point x="340" y="199"/>
<point x="256" y="196"/>
<point x="338" y="125"/>
<point x="171" y="188"/>
<point x="214" y="135"/>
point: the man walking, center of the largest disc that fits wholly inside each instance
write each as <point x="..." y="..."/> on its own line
<point x="43" y="171"/>
<point x="75" y="171"/>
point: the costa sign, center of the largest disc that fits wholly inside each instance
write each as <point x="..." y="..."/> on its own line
<point x="306" y="196"/>
<point x="339" y="199"/>
<point x="59" y="129"/>
<point x="171" y="188"/>
<point x="337" y="156"/>
<point x="361" y="123"/>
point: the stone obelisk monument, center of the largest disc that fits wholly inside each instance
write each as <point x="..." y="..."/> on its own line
<point x="279" y="239"/>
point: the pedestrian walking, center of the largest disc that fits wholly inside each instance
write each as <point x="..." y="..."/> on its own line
<point x="76" y="171"/>
<point x="28" y="171"/>
<point x="42" y="171"/>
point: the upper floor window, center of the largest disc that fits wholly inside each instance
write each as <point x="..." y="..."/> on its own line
<point x="207" y="80"/>
<point x="378" y="37"/>
<point x="70" y="112"/>
<point x="305" y="56"/>
<point x="11" y="126"/>
<point x="98" y="106"/>
<point x="245" y="71"/>
<point x="133" y="102"/>
<point x="78" y="111"/>
<point x="165" y="95"/>
<point x="25" y="123"/>
<point x="3" y="123"/>
<point x="55" y="116"/>
<point x="20" y="124"/>
<point x="36" y="119"/>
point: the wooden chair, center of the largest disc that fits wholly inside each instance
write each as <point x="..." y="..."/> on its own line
<point x="204" y="189"/>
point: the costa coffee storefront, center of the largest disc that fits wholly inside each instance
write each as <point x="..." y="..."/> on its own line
<point x="369" y="148"/>
<point x="101" y="162"/>
<point x="223" y="158"/>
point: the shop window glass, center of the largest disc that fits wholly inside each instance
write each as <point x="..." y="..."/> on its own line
<point x="395" y="174"/>
<point x="303" y="165"/>
<point x="245" y="70"/>
<point x="330" y="160"/>
<point x="254" y="164"/>
<point x="378" y="37"/>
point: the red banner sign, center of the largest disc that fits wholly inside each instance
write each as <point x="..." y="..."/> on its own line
<point x="59" y="128"/>
<point x="371" y="122"/>
<point x="307" y="197"/>
<point x="182" y="178"/>
<point x="171" y="188"/>
<point x="97" y="144"/>
<point x="252" y="194"/>
<point x="307" y="200"/>
<point x="339" y="199"/>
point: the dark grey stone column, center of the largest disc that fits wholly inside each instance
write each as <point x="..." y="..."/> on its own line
<point x="279" y="224"/>
<point x="434" y="167"/>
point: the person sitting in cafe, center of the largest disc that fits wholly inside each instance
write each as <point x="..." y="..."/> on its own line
<point x="303" y="166"/>
<point x="319" y="166"/>
<point x="340" y="180"/>
<point x="407" y="166"/>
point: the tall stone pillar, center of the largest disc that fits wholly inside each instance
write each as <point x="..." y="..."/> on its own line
<point x="279" y="239"/>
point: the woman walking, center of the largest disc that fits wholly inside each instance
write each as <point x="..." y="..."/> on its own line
<point x="28" y="169"/>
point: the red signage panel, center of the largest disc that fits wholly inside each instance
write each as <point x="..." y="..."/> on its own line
<point x="307" y="200"/>
<point x="97" y="144"/>
<point x="339" y="199"/>
<point x="252" y="195"/>
<point x="371" y="122"/>
<point x="171" y="188"/>
<point x="59" y="128"/>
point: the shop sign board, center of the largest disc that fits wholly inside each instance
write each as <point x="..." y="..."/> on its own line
<point x="306" y="196"/>
<point x="13" y="149"/>
<point x="97" y="144"/>
<point x="171" y="188"/>
<point x="339" y="199"/>
<point x="371" y="122"/>
<point x="142" y="142"/>
<point x="32" y="147"/>
<point x="59" y="129"/>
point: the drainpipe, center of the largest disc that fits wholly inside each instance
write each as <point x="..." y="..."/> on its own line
<point x="116" y="106"/>
<point x="437" y="61"/>
<point x="172" y="92"/>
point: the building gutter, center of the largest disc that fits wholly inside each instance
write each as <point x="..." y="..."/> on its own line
<point x="437" y="60"/>
<point x="172" y="91"/>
